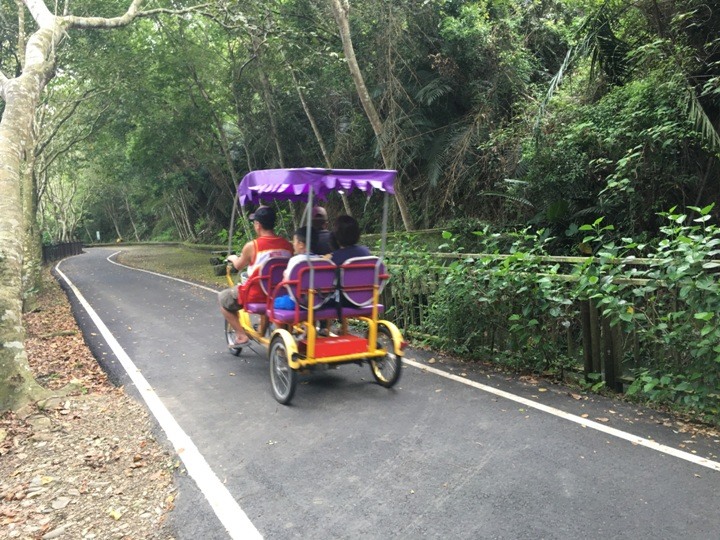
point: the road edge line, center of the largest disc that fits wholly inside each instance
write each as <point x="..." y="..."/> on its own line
<point x="226" y="508"/>
<point x="109" y="259"/>
<point x="584" y="422"/>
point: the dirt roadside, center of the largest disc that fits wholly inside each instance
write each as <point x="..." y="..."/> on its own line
<point x="85" y="465"/>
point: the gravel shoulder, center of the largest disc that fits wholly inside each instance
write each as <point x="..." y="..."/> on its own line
<point x="86" y="463"/>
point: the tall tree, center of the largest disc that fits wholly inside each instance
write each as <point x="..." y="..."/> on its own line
<point x="21" y="92"/>
<point x="341" y="9"/>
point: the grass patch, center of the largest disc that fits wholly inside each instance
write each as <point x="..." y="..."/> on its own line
<point x="177" y="261"/>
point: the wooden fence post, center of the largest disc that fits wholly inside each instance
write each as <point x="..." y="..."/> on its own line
<point x="612" y="355"/>
<point x="595" y="345"/>
<point x="586" y="338"/>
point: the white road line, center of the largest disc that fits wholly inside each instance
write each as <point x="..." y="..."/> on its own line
<point x="572" y="418"/>
<point x="233" y="518"/>
<point x="109" y="259"/>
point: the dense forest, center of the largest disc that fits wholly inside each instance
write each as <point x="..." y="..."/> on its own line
<point x="540" y="112"/>
<point x="571" y="127"/>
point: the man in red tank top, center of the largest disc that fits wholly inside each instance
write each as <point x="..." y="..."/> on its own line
<point x="253" y="255"/>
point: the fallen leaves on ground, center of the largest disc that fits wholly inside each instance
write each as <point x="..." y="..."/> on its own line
<point x="85" y="465"/>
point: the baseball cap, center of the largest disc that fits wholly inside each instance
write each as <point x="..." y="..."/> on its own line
<point x="265" y="215"/>
<point x="319" y="213"/>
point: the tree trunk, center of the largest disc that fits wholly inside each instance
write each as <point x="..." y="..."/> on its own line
<point x="340" y="9"/>
<point x="223" y="141"/>
<point x="32" y="239"/>
<point x="22" y="94"/>
<point x="318" y="135"/>
<point x="112" y="214"/>
<point x="178" y="227"/>
<point x="184" y="214"/>
<point x="132" y="221"/>
<point x="267" y="95"/>
<point x="22" y="97"/>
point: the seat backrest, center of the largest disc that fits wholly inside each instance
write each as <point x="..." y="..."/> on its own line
<point x="358" y="277"/>
<point x="271" y="273"/>
<point x="317" y="273"/>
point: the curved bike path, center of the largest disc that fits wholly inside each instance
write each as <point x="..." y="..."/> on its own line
<point x="450" y="452"/>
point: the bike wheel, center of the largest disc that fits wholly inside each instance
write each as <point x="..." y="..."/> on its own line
<point x="282" y="377"/>
<point x="230" y="339"/>
<point x="386" y="369"/>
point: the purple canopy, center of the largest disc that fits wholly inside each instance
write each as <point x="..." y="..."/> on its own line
<point x="295" y="184"/>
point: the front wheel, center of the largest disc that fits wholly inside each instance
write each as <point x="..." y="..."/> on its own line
<point x="282" y="377"/>
<point x="386" y="369"/>
<point x="230" y="339"/>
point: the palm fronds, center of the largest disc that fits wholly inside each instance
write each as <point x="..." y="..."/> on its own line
<point x="702" y="122"/>
<point x="432" y="91"/>
<point x="513" y="198"/>
<point x="607" y="52"/>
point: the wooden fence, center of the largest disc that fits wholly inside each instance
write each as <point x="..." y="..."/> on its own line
<point x="590" y="340"/>
<point x="60" y="251"/>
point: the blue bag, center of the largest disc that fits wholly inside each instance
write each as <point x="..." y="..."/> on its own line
<point x="283" y="302"/>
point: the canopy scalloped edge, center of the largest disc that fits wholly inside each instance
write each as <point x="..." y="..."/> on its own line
<point x="295" y="184"/>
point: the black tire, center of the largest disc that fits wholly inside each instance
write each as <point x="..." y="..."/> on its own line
<point x="230" y="339"/>
<point x="283" y="378"/>
<point x="386" y="369"/>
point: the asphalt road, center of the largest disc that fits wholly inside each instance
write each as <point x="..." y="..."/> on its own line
<point x="434" y="457"/>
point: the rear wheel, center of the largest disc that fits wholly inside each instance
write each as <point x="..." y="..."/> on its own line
<point x="282" y="377"/>
<point x="386" y="369"/>
<point x="230" y="339"/>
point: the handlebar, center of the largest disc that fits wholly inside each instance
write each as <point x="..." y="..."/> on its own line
<point x="229" y="267"/>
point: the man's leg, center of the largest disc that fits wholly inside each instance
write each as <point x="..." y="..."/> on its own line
<point x="227" y="298"/>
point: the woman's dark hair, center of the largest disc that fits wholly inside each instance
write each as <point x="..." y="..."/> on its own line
<point x="301" y="233"/>
<point x="346" y="231"/>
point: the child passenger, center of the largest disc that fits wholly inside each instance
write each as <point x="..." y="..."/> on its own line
<point x="301" y="253"/>
<point x="300" y="248"/>
<point x="346" y="234"/>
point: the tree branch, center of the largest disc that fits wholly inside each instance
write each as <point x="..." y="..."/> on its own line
<point x="67" y="114"/>
<point x="68" y="146"/>
<point x="46" y="19"/>
<point x="39" y="11"/>
<point x="132" y="13"/>
<point x="3" y="83"/>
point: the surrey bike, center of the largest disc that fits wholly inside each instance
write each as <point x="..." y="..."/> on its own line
<point x="318" y="289"/>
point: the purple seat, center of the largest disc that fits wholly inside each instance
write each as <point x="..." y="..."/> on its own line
<point x="294" y="316"/>
<point x="255" y="307"/>
<point x="358" y="277"/>
<point x="268" y="276"/>
<point x="318" y="274"/>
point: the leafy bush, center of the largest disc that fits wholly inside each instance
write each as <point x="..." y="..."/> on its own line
<point x="499" y="305"/>
<point x="514" y="306"/>
<point x="681" y="334"/>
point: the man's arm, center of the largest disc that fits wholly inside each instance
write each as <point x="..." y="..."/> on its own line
<point x="246" y="256"/>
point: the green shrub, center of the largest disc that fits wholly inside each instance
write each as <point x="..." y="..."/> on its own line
<point x="512" y="306"/>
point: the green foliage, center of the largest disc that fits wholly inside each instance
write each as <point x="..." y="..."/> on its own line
<point x="687" y="306"/>
<point x="625" y="156"/>
<point x="593" y="382"/>
<point x="505" y="304"/>
<point x="629" y="100"/>
<point x="670" y="306"/>
<point x="170" y="112"/>
<point x="514" y="306"/>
